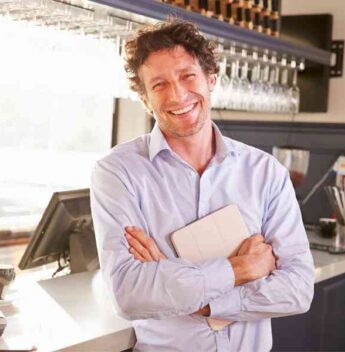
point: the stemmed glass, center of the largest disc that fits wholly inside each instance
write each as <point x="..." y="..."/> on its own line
<point x="254" y="95"/>
<point x="276" y="89"/>
<point x="244" y="84"/>
<point x="217" y="97"/>
<point x="264" y="76"/>
<point x="294" y="91"/>
<point x="224" y="82"/>
<point x="285" y="99"/>
<point x="233" y="87"/>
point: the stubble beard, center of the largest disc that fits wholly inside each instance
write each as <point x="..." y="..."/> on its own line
<point x="180" y="132"/>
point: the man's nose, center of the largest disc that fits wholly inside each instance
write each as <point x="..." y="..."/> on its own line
<point x="177" y="91"/>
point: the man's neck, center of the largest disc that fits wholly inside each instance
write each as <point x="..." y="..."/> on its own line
<point x="196" y="150"/>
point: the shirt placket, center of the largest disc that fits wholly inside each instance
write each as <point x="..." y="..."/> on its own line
<point x="204" y="194"/>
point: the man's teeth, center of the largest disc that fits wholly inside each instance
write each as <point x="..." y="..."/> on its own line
<point x="183" y="111"/>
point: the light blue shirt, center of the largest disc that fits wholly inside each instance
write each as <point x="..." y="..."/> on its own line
<point x="144" y="183"/>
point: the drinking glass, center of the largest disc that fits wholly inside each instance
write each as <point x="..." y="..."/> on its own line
<point x="264" y="84"/>
<point x="285" y="89"/>
<point x="294" y="91"/>
<point x="224" y="82"/>
<point x="244" y="84"/>
<point x="277" y="93"/>
<point x="255" y="88"/>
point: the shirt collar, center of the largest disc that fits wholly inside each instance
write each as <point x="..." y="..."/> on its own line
<point x="158" y="143"/>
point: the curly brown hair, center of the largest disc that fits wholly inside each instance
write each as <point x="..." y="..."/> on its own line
<point x="167" y="35"/>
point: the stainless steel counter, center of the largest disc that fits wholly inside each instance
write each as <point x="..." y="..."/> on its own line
<point x="326" y="265"/>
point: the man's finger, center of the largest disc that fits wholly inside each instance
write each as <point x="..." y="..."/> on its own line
<point x="249" y="244"/>
<point x="136" y="255"/>
<point x="138" y="233"/>
<point x="160" y="255"/>
<point x="256" y="238"/>
<point x="146" y="241"/>
<point x="133" y="242"/>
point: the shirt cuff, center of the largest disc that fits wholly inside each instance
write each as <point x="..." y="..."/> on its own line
<point x="218" y="276"/>
<point x="227" y="306"/>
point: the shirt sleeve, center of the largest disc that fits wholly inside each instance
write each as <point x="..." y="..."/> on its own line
<point x="151" y="290"/>
<point x="289" y="289"/>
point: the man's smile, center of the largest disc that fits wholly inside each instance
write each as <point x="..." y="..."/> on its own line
<point x="184" y="110"/>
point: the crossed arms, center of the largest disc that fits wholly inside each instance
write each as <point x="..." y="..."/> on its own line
<point x="147" y="284"/>
<point x="254" y="259"/>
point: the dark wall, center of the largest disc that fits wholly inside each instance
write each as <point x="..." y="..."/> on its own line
<point x="313" y="30"/>
<point x="325" y="142"/>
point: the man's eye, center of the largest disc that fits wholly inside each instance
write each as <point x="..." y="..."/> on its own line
<point x="157" y="85"/>
<point x="189" y="76"/>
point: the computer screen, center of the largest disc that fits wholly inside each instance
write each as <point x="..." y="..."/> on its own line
<point x="65" y="232"/>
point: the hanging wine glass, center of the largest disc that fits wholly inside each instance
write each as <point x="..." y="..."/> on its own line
<point x="294" y="91"/>
<point x="276" y="89"/>
<point x="285" y="89"/>
<point x="255" y="88"/>
<point x="264" y="78"/>
<point x="224" y="84"/>
<point x="244" y="84"/>
<point x="229" y="93"/>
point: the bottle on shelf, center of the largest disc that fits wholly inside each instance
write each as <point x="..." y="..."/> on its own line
<point x="265" y="5"/>
<point x="194" y="5"/>
<point x="239" y="17"/>
<point x="235" y="5"/>
<point x="248" y="18"/>
<point x="266" y="23"/>
<point x="228" y="13"/>
<point x="257" y="26"/>
<point x="257" y="5"/>
<point x="203" y="8"/>
<point x="265" y="14"/>
<point x="218" y="10"/>
<point x="256" y="16"/>
<point x="275" y="18"/>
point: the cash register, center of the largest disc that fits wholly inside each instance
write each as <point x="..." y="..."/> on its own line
<point x="64" y="235"/>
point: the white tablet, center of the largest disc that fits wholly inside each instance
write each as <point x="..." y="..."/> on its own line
<point x="216" y="235"/>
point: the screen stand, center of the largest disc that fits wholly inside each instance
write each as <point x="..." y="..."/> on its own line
<point x="83" y="252"/>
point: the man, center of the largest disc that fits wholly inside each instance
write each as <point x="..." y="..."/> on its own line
<point x="184" y="169"/>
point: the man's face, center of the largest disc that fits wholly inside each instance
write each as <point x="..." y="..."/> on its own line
<point x="177" y="91"/>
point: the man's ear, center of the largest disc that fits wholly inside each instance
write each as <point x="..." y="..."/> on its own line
<point x="212" y="78"/>
<point x="146" y="103"/>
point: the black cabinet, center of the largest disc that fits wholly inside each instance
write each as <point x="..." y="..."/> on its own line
<point x="320" y="329"/>
<point x="315" y="31"/>
<point x="333" y="316"/>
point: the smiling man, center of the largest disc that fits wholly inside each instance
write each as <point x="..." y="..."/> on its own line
<point x="146" y="189"/>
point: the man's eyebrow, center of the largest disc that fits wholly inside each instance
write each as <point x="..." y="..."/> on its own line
<point x="182" y="70"/>
<point x="155" y="79"/>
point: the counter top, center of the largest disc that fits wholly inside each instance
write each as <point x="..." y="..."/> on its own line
<point x="326" y="265"/>
<point x="75" y="313"/>
<point x="69" y="313"/>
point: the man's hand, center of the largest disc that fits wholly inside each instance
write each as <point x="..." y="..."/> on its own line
<point x="254" y="260"/>
<point x="142" y="247"/>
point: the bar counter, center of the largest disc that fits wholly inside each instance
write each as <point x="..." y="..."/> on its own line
<point x="74" y="312"/>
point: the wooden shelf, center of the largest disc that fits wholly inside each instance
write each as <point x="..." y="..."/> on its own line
<point x="221" y="30"/>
